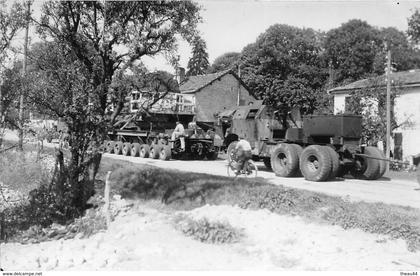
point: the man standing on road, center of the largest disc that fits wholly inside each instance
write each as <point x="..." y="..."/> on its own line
<point x="243" y="153"/>
<point x="178" y="132"/>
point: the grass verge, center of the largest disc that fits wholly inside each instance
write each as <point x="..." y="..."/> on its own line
<point x="185" y="190"/>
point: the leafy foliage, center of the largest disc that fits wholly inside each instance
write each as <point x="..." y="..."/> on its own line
<point x="207" y="231"/>
<point x="370" y="102"/>
<point x="283" y="68"/>
<point x="199" y="62"/>
<point x="11" y="88"/>
<point x="404" y="55"/>
<point x="352" y="48"/>
<point x="414" y="26"/>
<point x="88" y="48"/>
<point x="11" y="21"/>
<point x="224" y="62"/>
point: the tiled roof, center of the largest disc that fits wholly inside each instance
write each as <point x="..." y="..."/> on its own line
<point x="194" y="83"/>
<point x="401" y="79"/>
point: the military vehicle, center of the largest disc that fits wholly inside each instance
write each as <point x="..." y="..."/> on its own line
<point x="146" y="133"/>
<point x="320" y="147"/>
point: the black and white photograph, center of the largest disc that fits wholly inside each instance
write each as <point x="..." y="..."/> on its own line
<point x="209" y="135"/>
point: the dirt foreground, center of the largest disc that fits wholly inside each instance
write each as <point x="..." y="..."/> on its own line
<point x="144" y="238"/>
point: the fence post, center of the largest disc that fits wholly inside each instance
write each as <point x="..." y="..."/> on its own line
<point x="106" y="197"/>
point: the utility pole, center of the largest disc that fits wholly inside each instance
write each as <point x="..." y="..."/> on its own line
<point x="25" y="54"/>
<point x="388" y="108"/>
<point x="239" y="85"/>
<point x="1" y="113"/>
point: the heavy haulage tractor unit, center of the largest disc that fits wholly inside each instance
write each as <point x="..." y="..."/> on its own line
<point x="148" y="134"/>
<point x="320" y="147"/>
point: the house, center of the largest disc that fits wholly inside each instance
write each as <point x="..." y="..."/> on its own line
<point x="214" y="93"/>
<point x="406" y="106"/>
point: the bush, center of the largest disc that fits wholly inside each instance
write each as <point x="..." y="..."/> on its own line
<point x="44" y="204"/>
<point x="23" y="172"/>
<point x="206" y="231"/>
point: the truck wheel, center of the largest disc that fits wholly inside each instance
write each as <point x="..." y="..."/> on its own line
<point x="109" y="146"/>
<point x="155" y="151"/>
<point x="335" y="162"/>
<point x="284" y="160"/>
<point x="267" y="163"/>
<point x="299" y="150"/>
<point x="315" y="163"/>
<point x="118" y="146"/>
<point x="135" y="150"/>
<point x="230" y="151"/>
<point x="126" y="150"/>
<point x="144" y="151"/>
<point x="367" y="168"/>
<point x="165" y="153"/>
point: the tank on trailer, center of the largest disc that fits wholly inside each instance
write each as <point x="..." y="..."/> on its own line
<point x="145" y="132"/>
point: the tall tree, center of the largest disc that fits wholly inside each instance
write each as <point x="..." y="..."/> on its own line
<point x="414" y="26"/>
<point x="351" y="49"/>
<point x="102" y="40"/>
<point x="11" y="21"/>
<point x="199" y="62"/>
<point x="283" y="68"/>
<point x="226" y="61"/>
<point x="404" y="55"/>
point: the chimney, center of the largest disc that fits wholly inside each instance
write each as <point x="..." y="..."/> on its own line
<point x="180" y="75"/>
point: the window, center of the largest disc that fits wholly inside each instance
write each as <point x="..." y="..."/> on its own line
<point x="252" y="113"/>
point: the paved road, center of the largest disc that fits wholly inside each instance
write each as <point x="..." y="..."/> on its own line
<point x="399" y="192"/>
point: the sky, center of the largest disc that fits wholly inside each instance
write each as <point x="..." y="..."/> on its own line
<point x="228" y="26"/>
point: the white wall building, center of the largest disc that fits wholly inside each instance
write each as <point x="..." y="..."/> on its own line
<point x="406" y="106"/>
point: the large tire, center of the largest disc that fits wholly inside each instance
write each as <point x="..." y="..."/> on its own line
<point x="155" y="151"/>
<point x="109" y="146"/>
<point x="299" y="150"/>
<point x="230" y="150"/>
<point x="126" y="150"/>
<point x="144" y="151"/>
<point x="118" y="146"/>
<point x="315" y="163"/>
<point x="368" y="168"/>
<point x="135" y="150"/>
<point x="267" y="163"/>
<point x="165" y="153"/>
<point x="335" y="162"/>
<point x="284" y="160"/>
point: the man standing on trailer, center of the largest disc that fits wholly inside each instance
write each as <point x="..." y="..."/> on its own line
<point x="178" y="132"/>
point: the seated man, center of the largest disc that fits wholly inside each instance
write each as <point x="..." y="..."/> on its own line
<point x="179" y="132"/>
<point x="243" y="153"/>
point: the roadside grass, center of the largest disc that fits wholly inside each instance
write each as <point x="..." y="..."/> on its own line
<point x="23" y="171"/>
<point x="185" y="191"/>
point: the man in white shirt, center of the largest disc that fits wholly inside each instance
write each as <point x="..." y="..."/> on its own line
<point x="243" y="153"/>
<point x="179" y="132"/>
